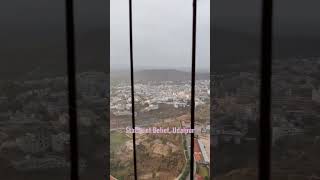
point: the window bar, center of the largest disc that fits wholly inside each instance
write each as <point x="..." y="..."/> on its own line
<point x="73" y="128"/>
<point x="132" y="91"/>
<point x="193" y="69"/>
<point x="265" y="126"/>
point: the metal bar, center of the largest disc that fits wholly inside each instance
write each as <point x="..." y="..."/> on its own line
<point x="132" y="91"/>
<point x="193" y="70"/>
<point x="265" y="136"/>
<point x="73" y="128"/>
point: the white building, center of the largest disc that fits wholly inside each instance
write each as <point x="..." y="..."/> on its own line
<point x="179" y="105"/>
<point x="204" y="153"/>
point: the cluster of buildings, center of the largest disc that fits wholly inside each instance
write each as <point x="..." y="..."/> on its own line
<point x="33" y="163"/>
<point x="226" y="136"/>
<point x="295" y="104"/>
<point x="42" y="140"/>
<point x="150" y="94"/>
<point x="278" y="132"/>
<point x="30" y="163"/>
<point x="44" y="103"/>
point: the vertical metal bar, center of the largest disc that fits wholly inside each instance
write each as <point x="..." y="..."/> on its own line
<point x="212" y="84"/>
<point x="108" y="86"/>
<point x="193" y="70"/>
<point x="265" y="126"/>
<point x="132" y="91"/>
<point x="73" y="128"/>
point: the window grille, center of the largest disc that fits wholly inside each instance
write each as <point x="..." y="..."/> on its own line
<point x="265" y="135"/>
<point x="73" y="128"/>
<point x="265" y="89"/>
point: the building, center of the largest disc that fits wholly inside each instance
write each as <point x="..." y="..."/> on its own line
<point x="204" y="153"/>
<point x="226" y="136"/>
<point x="197" y="151"/>
<point x="33" y="163"/>
<point x="179" y="105"/>
<point x="279" y="132"/>
<point x="59" y="141"/>
<point x="3" y="99"/>
<point x="316" y="95"/>
<point x="34" y="143"/>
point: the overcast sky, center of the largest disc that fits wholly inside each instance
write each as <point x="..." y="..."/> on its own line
<point x="162" y="31"/>
<point x="162" y="28"/>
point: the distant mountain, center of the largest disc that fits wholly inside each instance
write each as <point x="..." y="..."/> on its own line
<point x="159" y="75"/>
<point x="43" y="53"/>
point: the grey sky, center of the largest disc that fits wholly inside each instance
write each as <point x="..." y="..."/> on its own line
<point x="35" y="29"/>
<point x="162" y="33"/>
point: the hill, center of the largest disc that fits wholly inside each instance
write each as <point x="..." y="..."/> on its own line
<point x="43" y="53"/>
<point x="159" y="75"/>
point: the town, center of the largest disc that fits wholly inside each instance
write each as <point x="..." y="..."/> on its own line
<point x="34" y="127"/>
<point x="226" y="114"/>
